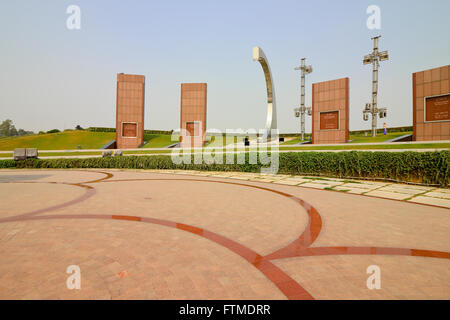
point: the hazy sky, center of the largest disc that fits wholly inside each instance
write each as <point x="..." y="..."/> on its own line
<point x="53" y="77"/>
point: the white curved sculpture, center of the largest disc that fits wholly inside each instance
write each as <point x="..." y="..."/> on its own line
<point x="271" y="123"/>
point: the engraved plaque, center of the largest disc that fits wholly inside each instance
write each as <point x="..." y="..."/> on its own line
<point x="437" y="108"/>
<point x="129" y="130"/>
<point x="329" y="120"/>
<point x="193" y="129"/>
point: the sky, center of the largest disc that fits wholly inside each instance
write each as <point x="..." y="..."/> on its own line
<point x="54" y="77"/>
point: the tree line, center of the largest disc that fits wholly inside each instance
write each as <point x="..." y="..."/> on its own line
<point x="7" y="129"/>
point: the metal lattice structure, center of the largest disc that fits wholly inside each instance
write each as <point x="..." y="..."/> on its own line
<point x="372" y="108"/>
<point x="300" y="112"/>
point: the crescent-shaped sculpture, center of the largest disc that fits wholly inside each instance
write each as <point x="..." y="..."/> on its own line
<point x="271" y="123"/>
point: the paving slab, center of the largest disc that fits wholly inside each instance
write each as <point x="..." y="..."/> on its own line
<point x="437" y="194"/>
<point x="314" y="185"/>
<point x="389" y="195"/>
<point x="289" y="182"/>
<point x="361" y="185"/>
<point x="402" y="189"/>
<point x="432" y="201"/>
<point x="350" y="190"/>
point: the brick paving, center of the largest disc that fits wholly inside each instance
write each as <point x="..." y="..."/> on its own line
<point x="211" y="235"/>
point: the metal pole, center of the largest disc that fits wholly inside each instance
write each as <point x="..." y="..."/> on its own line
<point x="375" y="87"/>
<point x="374" y="58"/>
<point x="300" y="112"/>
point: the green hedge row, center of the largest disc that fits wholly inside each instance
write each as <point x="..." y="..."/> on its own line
<point x="102" y="129"/>
<point x="431" y="168"/>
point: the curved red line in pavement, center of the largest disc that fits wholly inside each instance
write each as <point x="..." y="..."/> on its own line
<point x="288" y="286"/>
<point x="324" y="251"/>
<point x="308" y="236"/>
<point x="89" y="193"/>
<point x="108" y="176"/>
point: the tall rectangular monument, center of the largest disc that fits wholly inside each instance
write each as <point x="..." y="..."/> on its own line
<point x="130" y="111"/>
<point x="330" y="116"/>
<point x="431" y="104"/>
<point x="193" y="114"/>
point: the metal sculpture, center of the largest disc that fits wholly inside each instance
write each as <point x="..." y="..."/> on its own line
<point x="271" y="122"/>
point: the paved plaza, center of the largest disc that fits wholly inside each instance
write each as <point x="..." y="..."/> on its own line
<point x="139" y="234"/>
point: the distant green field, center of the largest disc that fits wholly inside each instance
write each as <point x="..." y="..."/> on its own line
<point x="361" y="138"/>
<point x="59" y="141"/>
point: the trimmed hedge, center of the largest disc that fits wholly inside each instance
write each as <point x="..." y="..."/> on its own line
<point x="431" y="168"/>
<point x="102" y="129"/>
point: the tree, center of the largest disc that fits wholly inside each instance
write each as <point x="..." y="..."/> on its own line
<point x="22" y="132"/>
<point x="7" y="129"/>
<point x="78" y="127"/>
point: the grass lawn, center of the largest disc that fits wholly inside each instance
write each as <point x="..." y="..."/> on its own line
<point x="95" y="140"/>
<point x="59" y="141"/>
<point x="373" y="146"/>
<point x="221" y="142"/>
<point x="361" y="138"/>
<point x="291" y="142"/>
<point x="157" y="140"/>
<point x="348" y="147"/>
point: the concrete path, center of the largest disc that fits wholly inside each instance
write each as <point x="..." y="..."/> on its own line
<point x="167" y="235"/>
